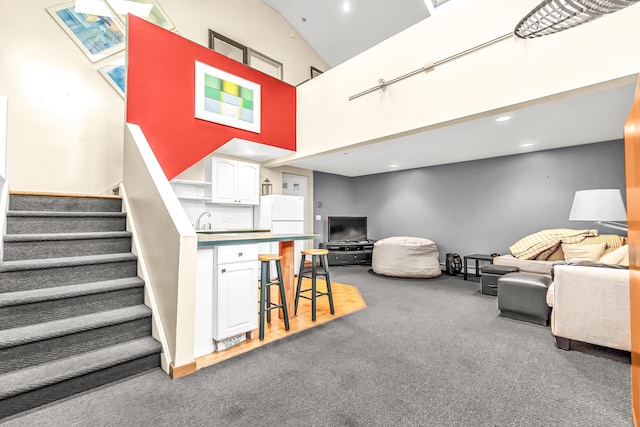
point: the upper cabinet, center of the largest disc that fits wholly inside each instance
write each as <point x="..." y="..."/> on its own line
<point x="233" y="182"/>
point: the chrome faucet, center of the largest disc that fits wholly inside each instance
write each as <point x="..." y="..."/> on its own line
<point x="206" y="226"/>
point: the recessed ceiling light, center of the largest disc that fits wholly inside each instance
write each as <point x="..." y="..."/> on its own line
<point x="346" y="6"/>
<point x="526" y="145"/>
<point x="249" y="152"/>
<point x="503" y="118"/>
<point x="393" y="165"/>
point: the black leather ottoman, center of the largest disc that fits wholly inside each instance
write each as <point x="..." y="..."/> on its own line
<point x="490" y="275"/>
<point x="523" y="296"/>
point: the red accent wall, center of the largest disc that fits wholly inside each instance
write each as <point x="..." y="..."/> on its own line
<point x="160" y="99"/>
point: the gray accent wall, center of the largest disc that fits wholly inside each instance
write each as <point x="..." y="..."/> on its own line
<point x="481" y="206"/>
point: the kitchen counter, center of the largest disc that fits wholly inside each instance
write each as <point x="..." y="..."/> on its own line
<point x="212" y="238"/>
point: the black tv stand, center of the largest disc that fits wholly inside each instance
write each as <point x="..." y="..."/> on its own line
<point x="357" y="252"/>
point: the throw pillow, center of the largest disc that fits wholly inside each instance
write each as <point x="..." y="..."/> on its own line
<point x="625" y="260"/>
<point x="588" y="252"/>
<point x="612" y="241"/>
<point x="616" y="256"/>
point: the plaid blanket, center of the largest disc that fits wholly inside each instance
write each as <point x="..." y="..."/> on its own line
<point x="532" y="245"/>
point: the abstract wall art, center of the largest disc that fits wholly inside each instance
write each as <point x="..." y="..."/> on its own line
<point x="115" y="73"/>
<point x="148" y="10"/>
<point x="97" y="35"/>
<point x="223" y="98"/>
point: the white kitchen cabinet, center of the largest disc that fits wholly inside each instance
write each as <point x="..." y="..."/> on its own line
<point x="233" y="181"/>
<point x="235" y="290"/>
<point x="226" y="294"/>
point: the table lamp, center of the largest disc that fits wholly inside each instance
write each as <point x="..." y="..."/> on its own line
<point x="605" y="207"/>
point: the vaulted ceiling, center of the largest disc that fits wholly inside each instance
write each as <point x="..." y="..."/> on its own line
<point x="338" y="35"/>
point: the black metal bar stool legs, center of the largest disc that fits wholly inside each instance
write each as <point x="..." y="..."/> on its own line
<point x="313" y="274"/>
<point x="265" y="291"/>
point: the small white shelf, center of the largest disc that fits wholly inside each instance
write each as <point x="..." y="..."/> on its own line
<point x="188" y="182"/>
<point x="192" y="197"/>
<point x="190" y="190"/>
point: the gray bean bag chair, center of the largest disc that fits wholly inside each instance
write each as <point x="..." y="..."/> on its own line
<point x="413" y="257"/>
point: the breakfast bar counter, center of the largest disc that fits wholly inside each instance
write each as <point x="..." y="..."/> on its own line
<point x="245" y="237"/>
<point x="226" y="290"/>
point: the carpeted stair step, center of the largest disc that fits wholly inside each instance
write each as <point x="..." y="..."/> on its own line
<point x="32" y="345"/>
<point x="46" y="273"/>
<point x="29" y="388"/>
<point x="41" y="222"/>
<point x="18" y="309"/>
<point x="72" y="313"/>
<point x="39" y="246"/>
<point x="64" y="203"/>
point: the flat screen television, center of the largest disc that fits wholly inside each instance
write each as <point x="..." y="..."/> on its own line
<point x="347" y="228"/>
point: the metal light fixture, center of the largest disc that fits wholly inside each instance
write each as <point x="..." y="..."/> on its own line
<point x="552" y="16"/>
<point x="267" y="187"/>
<point x="605" y="207"/>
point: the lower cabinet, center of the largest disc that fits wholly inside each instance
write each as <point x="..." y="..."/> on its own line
<point x="235" y="299"/>
<point x="226" y="294"/>
<point x="344" y="254"/>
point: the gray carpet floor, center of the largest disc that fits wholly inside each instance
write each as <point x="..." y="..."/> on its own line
<point x="423" y="353"/>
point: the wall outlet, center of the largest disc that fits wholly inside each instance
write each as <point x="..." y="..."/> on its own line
<point x="226" y="218"/>
<point x="318" y="217"/>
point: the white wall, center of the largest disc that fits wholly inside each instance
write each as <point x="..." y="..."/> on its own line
<point x="3" y="137"/>
<point x="66" y="123"/>
<point x="251" y="23"/>
<point x="509" y="73"/>
<point x="4" y="189"/>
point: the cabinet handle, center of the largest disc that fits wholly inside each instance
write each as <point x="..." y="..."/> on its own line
<point x="224" y="270"/>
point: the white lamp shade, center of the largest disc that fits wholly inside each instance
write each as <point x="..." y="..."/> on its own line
<point x="598" y="205"/>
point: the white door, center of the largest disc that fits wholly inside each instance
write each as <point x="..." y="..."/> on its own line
<point x="294" y="185"/>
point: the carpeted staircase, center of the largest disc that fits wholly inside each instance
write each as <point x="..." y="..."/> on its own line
<point x="72" y="313"/>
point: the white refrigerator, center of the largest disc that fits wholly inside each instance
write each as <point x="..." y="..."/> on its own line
<point x="282" y="215"/>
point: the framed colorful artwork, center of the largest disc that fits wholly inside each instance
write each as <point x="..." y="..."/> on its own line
<point x="97" y="34"/>
<point x="149" y="10"/>
<point x="223" y="98"/>
<point x="115" y="74"/>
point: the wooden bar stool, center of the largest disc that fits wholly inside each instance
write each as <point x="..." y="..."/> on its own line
<point x="316" y="254"/>
<point x="265" y="291"/>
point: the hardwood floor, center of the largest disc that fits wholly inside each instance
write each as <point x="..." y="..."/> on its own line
<point x="346" y="300"/>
